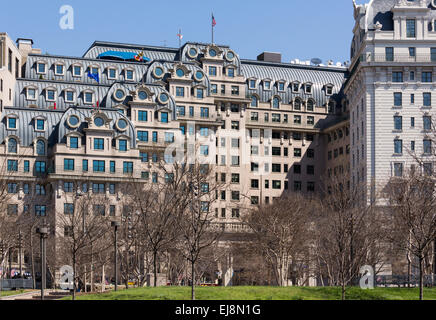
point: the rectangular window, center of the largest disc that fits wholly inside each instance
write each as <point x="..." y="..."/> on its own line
<point x="204" y="112"/>
<point x="231" y="72"/>
<point x="389" y="54"/>
<point x="181" y="111"/>
<point x="164" y="117"/>
<point x="427" y="147"/>
<point x="235" y="90"/>
<point x="26" y="165"/>
<point x="122" y="145"/>
<point x="398" y="123"/>
<point x="112" y="74"/>
<point x="427" y="122"/>
<point x="200" y="93"/>
<point x="98" y="188"/>
<point x="40" y="211"/>
<point x="12" y="188"/>
<point x="427" y="99"/>
<point x="276" y="184"/>
<point x="143" y="136"/>
<point x="112" y="166"/>
<point x="397" y="77"/>
<point x="412" y="52"/>
<point x="112" y="210"/>
<point x="69" y="164"/>
<point x="169" y="137"/>
<point x="74" y="142"/>
<point x="129" y="74"/>
<point x="235" y="125"/>
<point x="427" y="77"/>
<point x="68" y="187"/>
<point x="68" y="208"/>
<point x="180" y="91"/>
<point x="40" y="124"/>
<point x="398" y="99"/>
<point x="297" y="152"/>
<point x="111" y="188"/>
<point x="98" y="144"/>
<point x="142" y="116"/>
<point x="398" y="146"/>
<point x="128" y="167"/>
<point x="12" y="165"/>
<point x="40" y="167"/>
<point x="410" y="28"/>
<point x="12" y="209"/>
<point x="99" y="166"/>
<point x="212" y="71"/>
<point x="433" y="54"/>
<point x="235" y="178"/>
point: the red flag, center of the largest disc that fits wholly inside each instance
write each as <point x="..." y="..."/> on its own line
<point x="97" y="103"/>
<point x="213" y="21"/>
<point x="55" y="105"/>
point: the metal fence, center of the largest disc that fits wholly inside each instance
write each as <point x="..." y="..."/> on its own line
<point x="16" y="284"/>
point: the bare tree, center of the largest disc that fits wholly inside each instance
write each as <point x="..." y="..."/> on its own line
<point x="348" y="232"/>
<point x="281" y="232"/>
<point x="412" y="201"/>
<point x="194" y="215"/>
<point x="79" y="226"/>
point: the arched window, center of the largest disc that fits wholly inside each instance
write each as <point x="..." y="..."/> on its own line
<point x="40" y="148"/>
<point x="297" y="104"/>
<point x="12" y="145"/>
<point x="276" y="103"/>
<point x="254" y="101"/>
<point x="310" y="105"/>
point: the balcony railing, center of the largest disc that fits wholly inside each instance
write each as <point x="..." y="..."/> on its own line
<point x="230" y="227"/>
<point x="405" y="58"/>
<point x="280" y="124"/>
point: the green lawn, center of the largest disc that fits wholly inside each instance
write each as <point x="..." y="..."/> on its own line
<point x="261" y="293"/>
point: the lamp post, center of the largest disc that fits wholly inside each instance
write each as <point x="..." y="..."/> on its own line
<point x="116" y="225"/>
<point x="2" y="252"/>
<point x="20" y="248"/>
<point x="43" y="233"/>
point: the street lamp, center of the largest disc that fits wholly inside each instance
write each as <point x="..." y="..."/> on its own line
<point x="43" y="233"/>
<point x="20" y="248"/>
<point x="116" y="225"/>
<point x="2" y="252"/>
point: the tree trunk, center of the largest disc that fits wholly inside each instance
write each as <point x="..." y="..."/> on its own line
<point x="343" y="291"/>
<point x="127" y="270"/>
<point x="32" y="258"/>
<point x="193" y="281"/>
<point x="155" y="268"/>
<point x="103" y="279"/>
<point x="421" y="277"/>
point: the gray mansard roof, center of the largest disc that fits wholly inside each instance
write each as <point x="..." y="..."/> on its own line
<point x="56" y="127"/>
<point x="290" y="73"/>
<point x="26" y="125"/>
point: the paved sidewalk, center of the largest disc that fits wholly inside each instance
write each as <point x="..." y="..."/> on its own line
<point x="27" y="295"/>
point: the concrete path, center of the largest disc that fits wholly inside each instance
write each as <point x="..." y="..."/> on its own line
<point x="27" y="295"/>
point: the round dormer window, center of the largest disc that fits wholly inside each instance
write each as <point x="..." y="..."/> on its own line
<point x="212" y="52"/>
<point x="230" y="56"/>
<point x="121" y="125"/>
<point x="163" y="98"/>
<point x="120" y="94"/>
<point x="199" y="76"/>
<point x="73" y="121"/>
<point x="193" y="53"/>
<point x="180" y="72"/>
<point x="99" y="122"/>
<point x="158" y="72"/>
<point x="142" y="95"/>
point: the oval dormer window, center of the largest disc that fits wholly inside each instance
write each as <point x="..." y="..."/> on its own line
<point x="73" y="121"/>
<point x="163" y="98"/>
<point x="180" y="72"/>
<point x="230" y="56"/>
<point x="212" y="52"/>
<point x="158" y="72"/>
<point x="192" y="53"/>
<point x="119" y="94"/>
<point x="199" y="75"/>
<point x="142" y="95"/>
<point x="99" y="122"/>
<point x="122" y="124"/>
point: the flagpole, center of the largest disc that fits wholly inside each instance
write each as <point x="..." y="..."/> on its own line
<point x="212" y="27"/>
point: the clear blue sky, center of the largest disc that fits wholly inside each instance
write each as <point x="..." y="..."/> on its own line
<point x="301" y="29"/>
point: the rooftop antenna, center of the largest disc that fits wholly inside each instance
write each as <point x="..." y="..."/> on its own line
<point x="180" y="36"/>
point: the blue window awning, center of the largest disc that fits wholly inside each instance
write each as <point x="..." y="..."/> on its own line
<point x="126" y="56"/>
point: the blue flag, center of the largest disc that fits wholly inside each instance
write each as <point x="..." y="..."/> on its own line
<point x="93" y="76"/>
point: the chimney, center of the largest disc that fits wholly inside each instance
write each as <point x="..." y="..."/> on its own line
<point x="25" y="46"/>
<point x="270" y="57"/>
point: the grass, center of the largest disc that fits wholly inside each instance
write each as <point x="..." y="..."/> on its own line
<point x="12" y="292"/>
<point x="261" y="293"/>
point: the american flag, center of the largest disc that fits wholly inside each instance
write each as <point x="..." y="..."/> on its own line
<point x="213" y="21"/>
